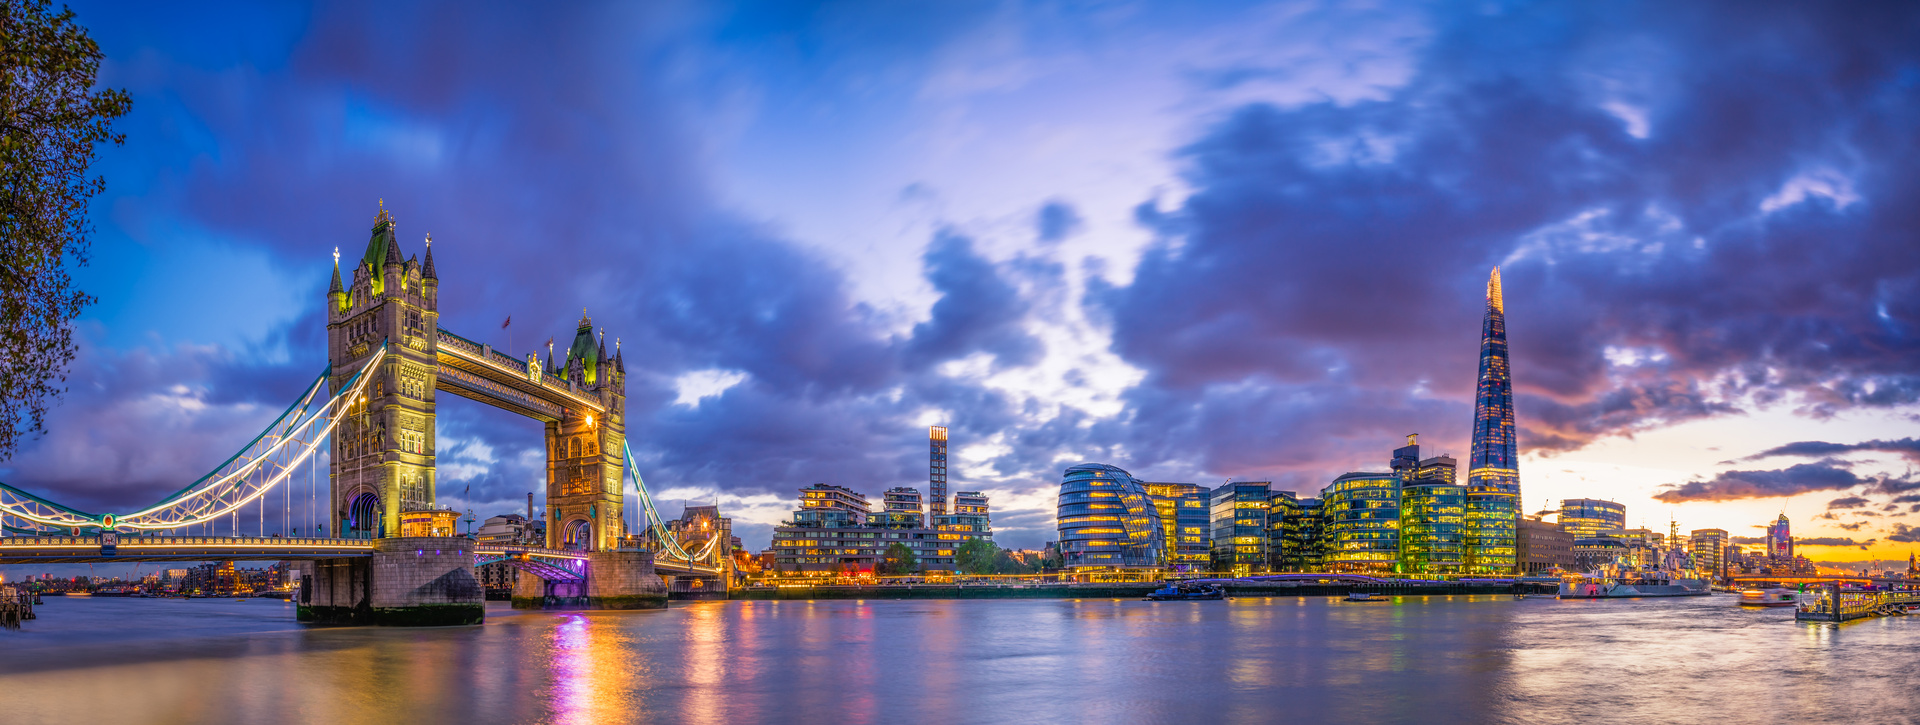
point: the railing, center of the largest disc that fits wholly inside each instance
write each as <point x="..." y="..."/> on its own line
<point x="516" y="368"/>
<point x="128" y="542"/>
<point x="482" y="385"/>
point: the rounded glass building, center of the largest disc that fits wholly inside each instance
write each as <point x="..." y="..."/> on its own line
<point x="1107" y="520"/>
<point x="1362" y="513"/>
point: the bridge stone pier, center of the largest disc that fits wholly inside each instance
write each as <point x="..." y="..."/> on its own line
<point x="618" y="579"/>
<point x="408" y="582"/>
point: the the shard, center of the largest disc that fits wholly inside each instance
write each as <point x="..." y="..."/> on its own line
<point x="1493" y="474"/>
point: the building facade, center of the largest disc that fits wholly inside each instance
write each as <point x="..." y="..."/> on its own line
<point x="1432" y="512"/>
<point x="937" y="470"/>
<point x="1493" y="472"/>
<point x="1106" y="519"/>
<point x="1239" y="526"/>
<point x="1587" y="518"/>
<point x="1542" y="546"/>
<point x="1780" y="539"/>
<point x="1185" y="522"/>
<point x="1362" y="529"/>
<point x="1707" y="548"/>
<point x="903" y="509"/>
<point x="832" y="534"/>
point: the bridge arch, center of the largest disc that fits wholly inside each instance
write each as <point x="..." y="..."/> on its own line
<point x="364" y="517"/>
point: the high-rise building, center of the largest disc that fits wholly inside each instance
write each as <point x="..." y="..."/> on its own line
<point x="1304" y="543"/>
<point x="1780" y="539"/>
<point x="937" y="470"/>
<point x="1185" y="522"/>
<point x="1283" y="523"/>
<point x="1587" y="518"/>
<point x="969" y="515"/>
<point x="903" y="509"/>
<point x="1240" y="526"/>
<point x="1432" y="510"/>
<point x="1493" y="473"/>
<point x="1107" y="520"/>
<point x="1708" y="550"/>
<point x="1362" y="512"/>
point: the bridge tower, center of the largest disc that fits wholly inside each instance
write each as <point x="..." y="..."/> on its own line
<point x="584" y="464"/>
<point x="383" y="450"/>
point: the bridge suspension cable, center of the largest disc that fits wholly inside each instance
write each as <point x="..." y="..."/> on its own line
<point x="268" y="461"/>
<point x="655" y="524"/>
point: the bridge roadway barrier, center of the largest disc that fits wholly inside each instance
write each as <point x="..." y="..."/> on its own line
<point x="407" y="582"/>
<point x="618" y="579"/>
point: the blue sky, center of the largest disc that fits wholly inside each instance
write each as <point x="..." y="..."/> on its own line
<point x="1194" y="241"/>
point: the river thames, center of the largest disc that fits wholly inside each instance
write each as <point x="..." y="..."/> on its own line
<point x="1426" y="660"/>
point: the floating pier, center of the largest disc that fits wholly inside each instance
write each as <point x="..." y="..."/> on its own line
<point x="1833" y="604"/>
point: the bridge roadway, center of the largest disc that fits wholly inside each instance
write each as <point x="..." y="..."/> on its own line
<point x="86" y="550"/>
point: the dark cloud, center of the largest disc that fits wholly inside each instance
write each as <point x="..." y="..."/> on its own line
<point x="1906" y="447"/>
<point x="1749" y="540"/>
<point x="1832" y="541"/>
<point x="978" y="311"/>
<point x="1730" y="485"/>
<point x="1851" y="525"/>
<point x="1904" y="534"/>
<point x="1338" y="251"/>
<point x="1056" y="221"/>
<point x="1850" y="502"/>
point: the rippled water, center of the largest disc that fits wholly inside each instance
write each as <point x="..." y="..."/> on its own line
<point x="1426" y="660"/>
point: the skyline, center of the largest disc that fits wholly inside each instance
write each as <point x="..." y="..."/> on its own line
<point x="1227" y="242"/>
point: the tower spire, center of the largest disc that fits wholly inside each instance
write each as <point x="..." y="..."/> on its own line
<point x="427" y="271"/>
<point x="1493" y="478"/>
<point x="336" y="273"/>
<point x="1493" y="291"/>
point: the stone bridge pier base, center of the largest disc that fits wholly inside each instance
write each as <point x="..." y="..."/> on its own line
<point x="620" y="579"/>
<point x="408" y="582"/>
<point x="624" y="579"/>
<point x="695" y="587"/>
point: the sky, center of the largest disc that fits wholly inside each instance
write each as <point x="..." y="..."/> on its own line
<point x="1196" y="241"/>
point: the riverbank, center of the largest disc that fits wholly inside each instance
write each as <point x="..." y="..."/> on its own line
<point x="1115" y="590"/>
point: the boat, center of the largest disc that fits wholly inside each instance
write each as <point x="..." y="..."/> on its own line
<point x="1185" y="592"/>
<point x="1364" y="597"/>
<point x="1631" y="586"/>
<point x="1770" y="597"/>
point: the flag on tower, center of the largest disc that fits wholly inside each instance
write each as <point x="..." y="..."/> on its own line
<point x="509" y="321"/>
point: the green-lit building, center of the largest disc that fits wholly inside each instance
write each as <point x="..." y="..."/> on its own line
<point x="1240" y="526"/>
<point x="1362" y="523"/>
<point x="1186" y="519"/>
<point x="1432" y="511"/>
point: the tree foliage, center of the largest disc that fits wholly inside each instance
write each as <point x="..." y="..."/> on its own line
<point x="50" y="121"/>
<point x="898" y="560"/>
<point x="982" y="556"/>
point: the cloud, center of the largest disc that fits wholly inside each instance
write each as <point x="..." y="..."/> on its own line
<point x="1749" y="540"/>
<point x="1832" y="541"/>
<point x="1850" y="502"/>
<point x="1056" y="221"/>
<point x="1904" y="534"/>
<point x="1793" y="480"/>
<point x="1906" y="447"/>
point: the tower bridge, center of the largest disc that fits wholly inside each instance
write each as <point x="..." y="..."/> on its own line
<point x="372" y="411"/>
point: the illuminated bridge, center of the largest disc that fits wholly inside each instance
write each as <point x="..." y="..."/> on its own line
<point x="347" y="472"/>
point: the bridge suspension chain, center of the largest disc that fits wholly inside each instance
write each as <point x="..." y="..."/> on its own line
<point x="655" y="523"/>
<point x="266" y="462"/>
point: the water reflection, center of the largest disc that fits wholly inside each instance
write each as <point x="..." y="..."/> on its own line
<point x="1440" y="659"/>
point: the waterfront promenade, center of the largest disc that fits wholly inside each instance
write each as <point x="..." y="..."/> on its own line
<point x="1435" y="659"/>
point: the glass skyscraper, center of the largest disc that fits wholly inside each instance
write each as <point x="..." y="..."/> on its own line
<point x="1184" y="521"/>
<point x="1107" y="520"/>
<point x="1493" y="473"/>
<point x="1588" y="518"/>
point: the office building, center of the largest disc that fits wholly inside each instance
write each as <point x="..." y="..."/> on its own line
<point x="832" y="534"/>
<point x="937" y="470"/>
<point x="1106" y="519"/>
<point x="1707" y="548"/>
<point x="1587" y="518"/>
<point x="1432" y="511"/>
<point x="1239" y="513"/>
<point x="1780" y="539"/>
<point x="1493" y="473"/>
<point x="1185" y="522"/>
<point x="1542" y="546"/>
<point x="1362" y="514"/>
<point x="969" y="515"/>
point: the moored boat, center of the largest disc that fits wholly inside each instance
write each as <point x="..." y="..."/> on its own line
<point x="1364" y="597"/>
<point x="1187" y="592"/>
<point x="1650" y="584"/>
